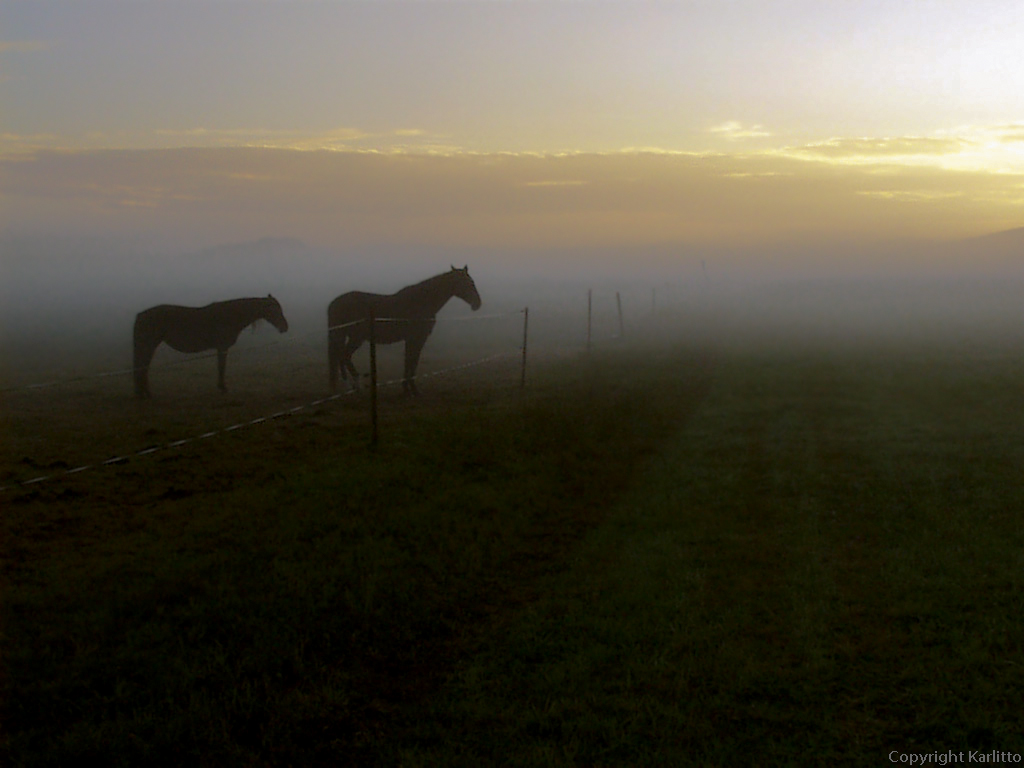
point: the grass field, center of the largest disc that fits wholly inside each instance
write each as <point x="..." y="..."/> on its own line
<point x="699" y="552"/>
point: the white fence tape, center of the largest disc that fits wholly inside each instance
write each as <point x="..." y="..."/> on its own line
<point x="241" y="425"/>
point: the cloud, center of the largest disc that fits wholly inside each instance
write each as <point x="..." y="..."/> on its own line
<point x="1012" y="133"/>
<point x="21" y="144"/>
<point x="556" y="183"/>
<point x="22" y="46"/>
<point x="262" y="137"/>
<point x="755" y="175"/>
<point x="992" y="149"/>
<point x="354" y="199"/>
<point x="734" y="130"/>
<point x="910" y="195"/>
<point x="868" y="148"/>
<point x="341" y="139"/>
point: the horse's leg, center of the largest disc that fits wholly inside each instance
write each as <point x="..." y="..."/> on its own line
<point x="145" y="342"/>
<point x="346" y="361"/>
<point x="334" y="359"/>
<point x="413" y="347"/>
<point x="222" y="360"/>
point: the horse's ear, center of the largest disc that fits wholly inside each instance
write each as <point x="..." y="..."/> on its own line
<point x="466" y="269"/>
<point x="453" y="268"/>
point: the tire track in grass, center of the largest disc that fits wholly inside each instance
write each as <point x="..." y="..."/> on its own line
<point x="744" y="606"/>
<point x="667" y="633"/>
<point x="756" y="685"/>
<point x="820" y="587"/>
<point x="393" y="713"/>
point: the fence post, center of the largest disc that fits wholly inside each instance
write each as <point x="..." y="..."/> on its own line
<point x="618" y="302"/>
<point x="373" y="379"/>
<point x="526" y="323"/>
<point x="590" y="292"/>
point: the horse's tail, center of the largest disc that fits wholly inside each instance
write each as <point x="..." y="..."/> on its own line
<point x="337" y="338"/>
<point x="145" y="343"/>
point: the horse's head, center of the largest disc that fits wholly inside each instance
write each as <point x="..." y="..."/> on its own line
<point x="465" y="288"/>
<point x="273" y="314"/>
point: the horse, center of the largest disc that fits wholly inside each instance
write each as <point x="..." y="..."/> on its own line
<point x="195" y="329"/>
<point x="408" y="316"/>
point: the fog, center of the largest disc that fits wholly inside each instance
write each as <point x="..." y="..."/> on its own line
<point x="67" y="304"/>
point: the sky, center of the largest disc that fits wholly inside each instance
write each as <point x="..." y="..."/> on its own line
<point x="529" y="124"/>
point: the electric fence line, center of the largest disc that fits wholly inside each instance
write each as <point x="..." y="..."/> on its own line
<point x="291" y="338"/>
<point x="121" y="459"/>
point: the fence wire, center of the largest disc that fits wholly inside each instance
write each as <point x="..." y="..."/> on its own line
<point x="122" y="459"/>
<point x="291" y="338"/>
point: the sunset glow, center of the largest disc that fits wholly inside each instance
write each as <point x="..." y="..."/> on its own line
<point x="514" y="123"/>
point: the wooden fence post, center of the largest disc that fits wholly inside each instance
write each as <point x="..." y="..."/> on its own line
<point x="373" y="380"/>
<point x="618" y="302"/>
<point x="590" y="292"/>
<point x="526" y="323"/>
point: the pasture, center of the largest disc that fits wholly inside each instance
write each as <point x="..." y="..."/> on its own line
<point x="703" y="548"/>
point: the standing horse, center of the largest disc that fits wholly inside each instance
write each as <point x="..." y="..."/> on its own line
<point x="409" y="316"/>
<point x="194" y="329"/>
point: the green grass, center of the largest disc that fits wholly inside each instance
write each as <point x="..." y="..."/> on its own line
<point x="285" y="618"/>
<point x="761" y="556"/>
<point x="824" y="565"/>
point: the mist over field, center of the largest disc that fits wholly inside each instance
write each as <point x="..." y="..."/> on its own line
<point x="752" y="497"/>
<point x="64" y="296"/>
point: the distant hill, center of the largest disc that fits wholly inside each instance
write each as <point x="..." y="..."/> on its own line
<point x="997" y="255"/>
<point x="1009" y="242"/>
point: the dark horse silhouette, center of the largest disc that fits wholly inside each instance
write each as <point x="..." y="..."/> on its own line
<point x="408" y="315"/>
<point x="194" y="329"/>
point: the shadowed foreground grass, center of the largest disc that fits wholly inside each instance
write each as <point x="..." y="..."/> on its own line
<point x="794" y="557"/>
<point x="824" y="566"/>
<point x="287" y="619"/>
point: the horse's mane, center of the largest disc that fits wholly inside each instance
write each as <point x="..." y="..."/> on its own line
<point x="247" y="302"/>
<point x="244" y="301"/>
<point x="424" y="283"/>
